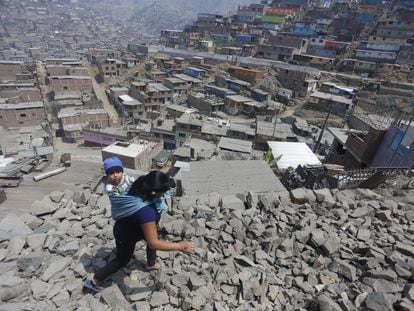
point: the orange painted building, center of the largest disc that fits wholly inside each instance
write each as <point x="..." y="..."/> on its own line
<point x="282" y="11"/>
<point x="246" y="74"/>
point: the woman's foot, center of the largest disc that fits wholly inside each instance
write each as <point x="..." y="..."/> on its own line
<point x="91" y="285"/>
<point x="155" y="266"/>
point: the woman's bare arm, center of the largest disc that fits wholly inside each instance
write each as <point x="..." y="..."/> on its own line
<point x="151" y="236"/>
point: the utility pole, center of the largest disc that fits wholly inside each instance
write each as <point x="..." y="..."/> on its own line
<point x="255" y="134"/>
<point x="274" y="127"/>
<point x="316" y="148"/>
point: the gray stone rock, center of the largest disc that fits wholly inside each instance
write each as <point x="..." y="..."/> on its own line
<point x="324" y="196"/>
<point x="141" y="306"/>
<point x="304" y="285"/>
<point x="93" y="202"/>
<point x="402" y="272"/>
<point x="332" y="244"/>
<point x="114" y="298"/>
<point x="198" y="302"/>
<point x="367" y="194"/>
<point x="14" y="226"/>
<point x="39" y="289"/>
<point x="16" y="245"/>
<point x="232" y="203"/>
<point x="3" y="253"/>
<point x="11" y="292"/>
<point x="80" y="197"/>
<point x="30" y="261"/>
<point x="249" y="288"/>
<point x="196" y="282"/>
<point x="51" y="243"/>
<point x="45" y="227"/>
<point x="219" y="307"/>
<point x="31" y="221"/>
<point x="405" y="305"/>
<point x="56" y="196"/>
<point x="384" y="216"/>
<point x="58" y="264"/>
<point x="405" y="249"/>
<point x="303" y="235"/>
<point x="55" y="289"/>
<point x="243" y="260"/>
<point x="299" y="195"/>
<point x="76" y="230"/>
<point x="43" y="207"/>
<point x="388" y="274"/>
<point x="175" y="227"/>
<point x="364" y="234"/>
<point x="409" y="291"/>
<point x="61" y="299"/>
<point x="68" y="249"/>
<point x="159" y="299"/>
<point x="318" y="238"/>
<point x="382" y="285"/>
<point x="9" y="279"/>
<point x="327" y="304"/>
<point x="179" y="280"/>
<point x="252" y="200"/>
<point x="140" y="294"/>
<point x="4" y="236"/>
<point x="362" y="212"/>
<point x="268" y="201"/>
<point x="214" y="199"/>
<point x="380" y="301"/>
<point x="343" y="268"/>
<point x="73" y="286"/>
<point x="13" y="306"/>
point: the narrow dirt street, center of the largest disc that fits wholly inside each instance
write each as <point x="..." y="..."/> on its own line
<point x="100" y="92"/>
<point x="41" y="78"/>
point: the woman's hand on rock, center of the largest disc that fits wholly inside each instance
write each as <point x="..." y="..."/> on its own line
<point x="188" y="247"/>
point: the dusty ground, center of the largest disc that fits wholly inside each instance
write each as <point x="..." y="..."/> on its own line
<point x="86" y="163"/>
<point x="19" y="199"/>
<point x="86" y="168"/>
<point x="316" y="117"/>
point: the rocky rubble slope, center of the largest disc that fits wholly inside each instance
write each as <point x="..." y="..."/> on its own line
<point x="323" y="250"/>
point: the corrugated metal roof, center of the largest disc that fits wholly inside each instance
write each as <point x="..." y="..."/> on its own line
<point x="236" y="145"/>
<point x="292" y="154"/>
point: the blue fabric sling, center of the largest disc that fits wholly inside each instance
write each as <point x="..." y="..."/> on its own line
<point x="126" y="205"/>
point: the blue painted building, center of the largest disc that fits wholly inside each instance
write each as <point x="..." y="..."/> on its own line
<point x="364" y="17"/>
<point x="371" y="2"/>
<point x="221" y="38"/>
<point x="407" y="3"/>
<point x="243" y="18"/>
<point x="218" y="91"/>
<point x="269" y="26"/>
<point x="237" y="85"/>
<point x="244" y="38"/>
<point x="305" y="29"/>
<point x="260" y="95"/>
<point x="195" y="72"/>
<point x="325" y="53"/>
<point x="302" y="2"/>
<point x="396" y="148"/>
<point x="383" y="47"/>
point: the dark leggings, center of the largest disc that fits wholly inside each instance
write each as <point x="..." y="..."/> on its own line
<point x="126" y="236"/>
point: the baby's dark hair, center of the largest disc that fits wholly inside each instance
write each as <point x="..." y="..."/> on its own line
<point x="155" y="181"/>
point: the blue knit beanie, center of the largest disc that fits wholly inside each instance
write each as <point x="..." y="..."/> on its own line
<point x="111" y="164"/>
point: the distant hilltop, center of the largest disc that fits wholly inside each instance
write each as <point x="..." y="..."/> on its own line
<point x="160" y="14"/>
